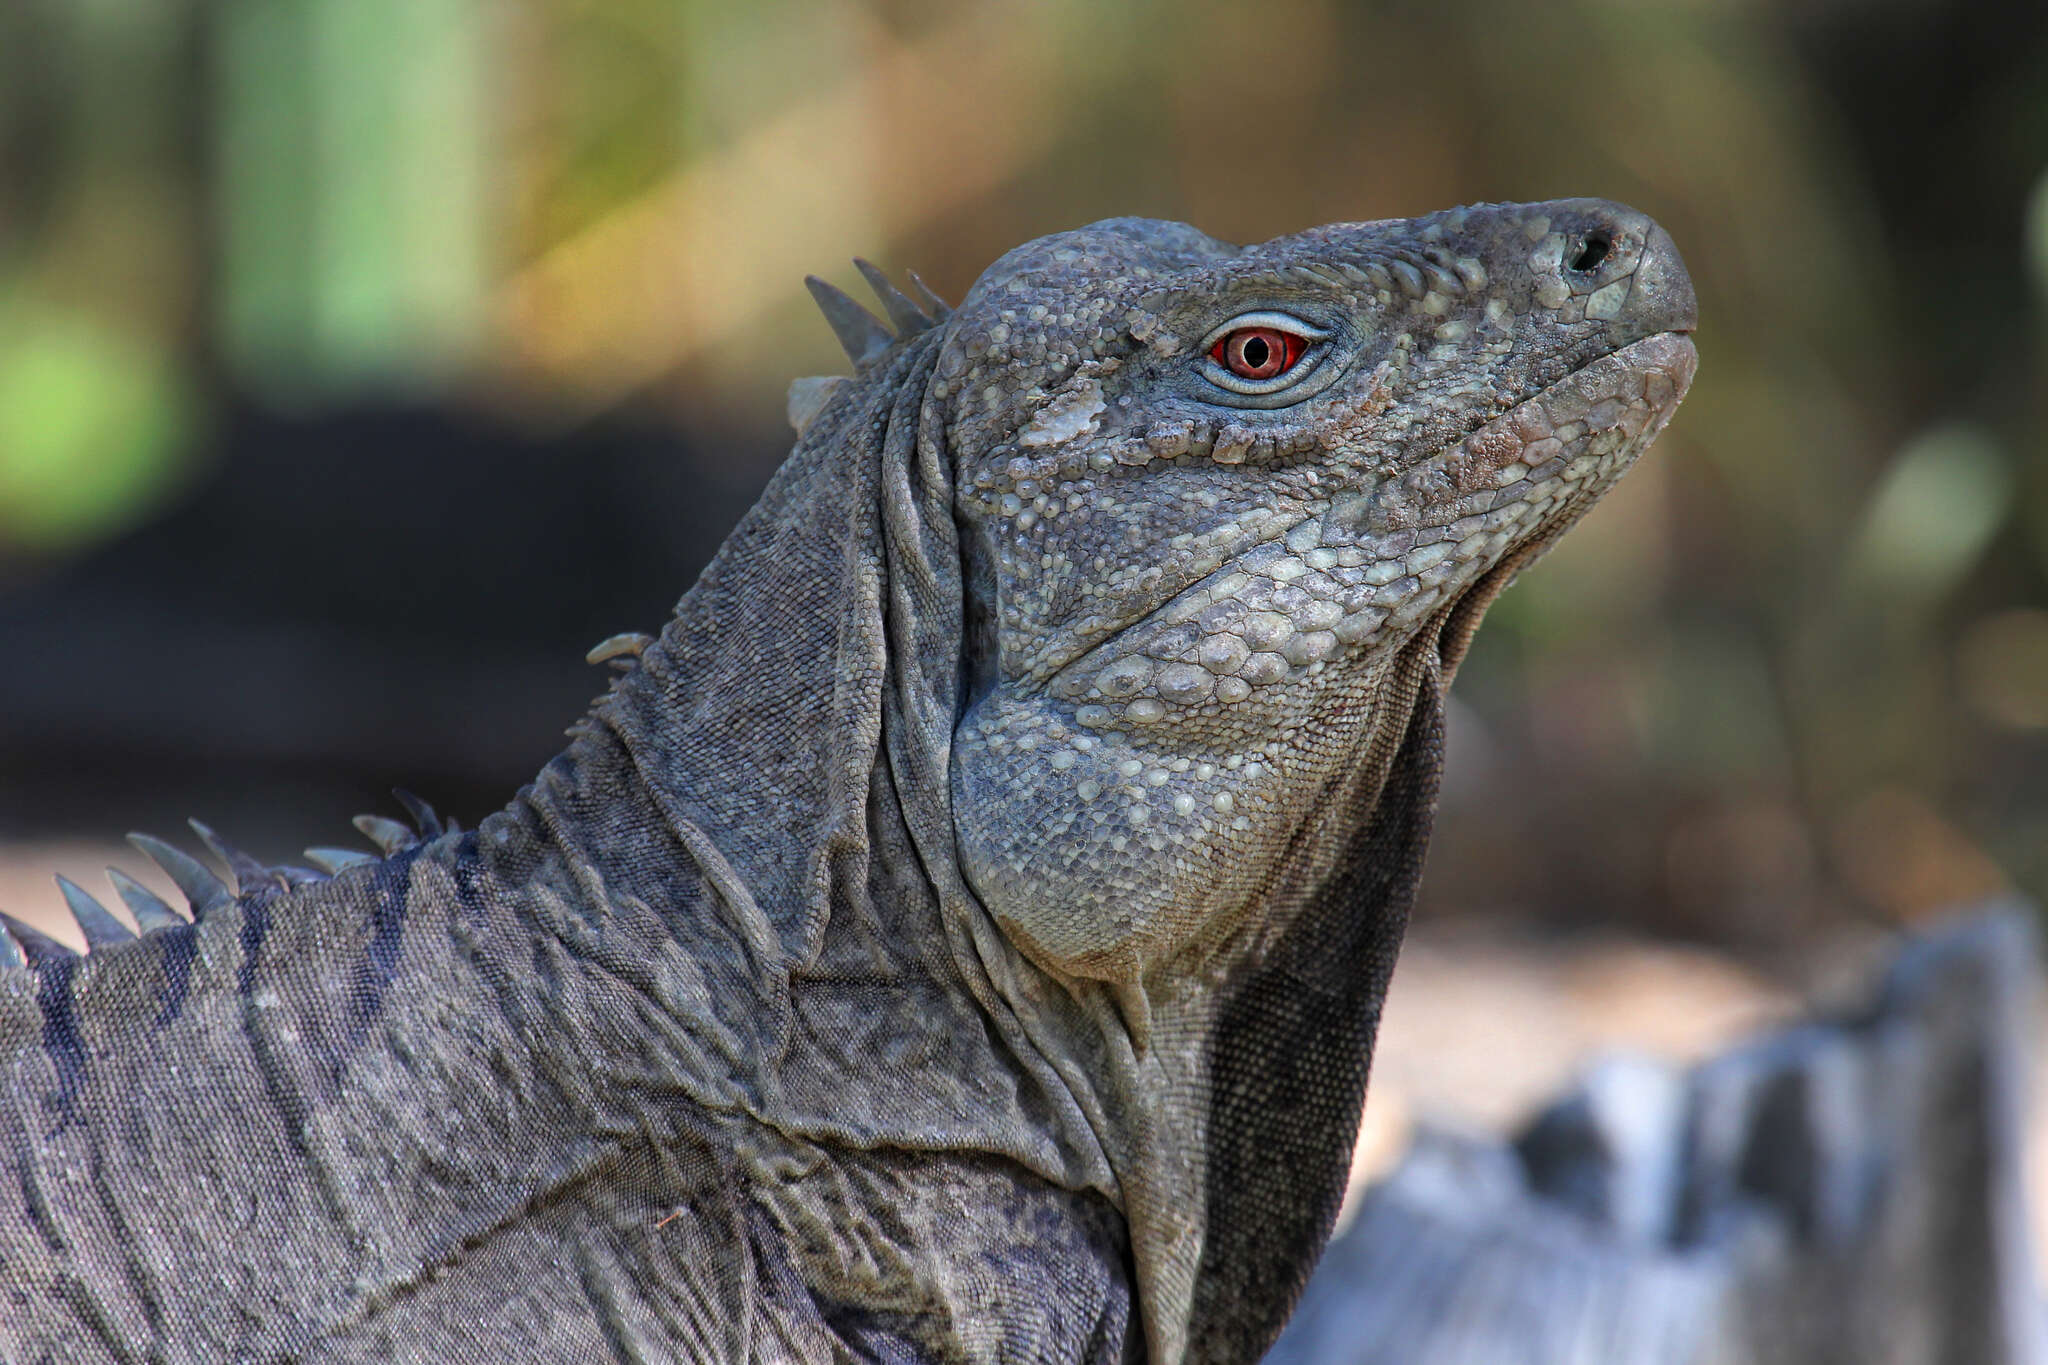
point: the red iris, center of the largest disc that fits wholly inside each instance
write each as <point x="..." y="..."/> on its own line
<point x="1258" y="352"/>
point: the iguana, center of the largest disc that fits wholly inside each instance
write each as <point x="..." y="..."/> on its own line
<point x="960" y="935"/>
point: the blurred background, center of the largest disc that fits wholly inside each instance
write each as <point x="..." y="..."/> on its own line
<point x="362" y="362"/>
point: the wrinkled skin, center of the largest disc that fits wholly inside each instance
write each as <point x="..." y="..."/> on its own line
<point x="961" y="934"/>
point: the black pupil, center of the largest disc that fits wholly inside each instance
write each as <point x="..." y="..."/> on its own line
<point x="1255" y="353"/>
<point x="1591" y="252"/>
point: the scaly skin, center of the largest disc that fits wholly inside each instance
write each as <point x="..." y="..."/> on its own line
<point x="960" y="936"/>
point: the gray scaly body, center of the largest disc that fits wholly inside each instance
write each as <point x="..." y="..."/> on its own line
<point x="960" y="935"/>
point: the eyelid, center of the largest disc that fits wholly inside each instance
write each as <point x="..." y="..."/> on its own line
<point x="1282" y="322"/>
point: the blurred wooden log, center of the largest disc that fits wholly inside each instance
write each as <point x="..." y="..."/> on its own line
<point x="1848" y="1190"/>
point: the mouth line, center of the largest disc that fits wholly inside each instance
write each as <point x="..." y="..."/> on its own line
<point x="1563" y="410"/>
<point x="1381" y="558"/>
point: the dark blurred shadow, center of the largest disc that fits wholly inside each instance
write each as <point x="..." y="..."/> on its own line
<point x="353" y="599"/>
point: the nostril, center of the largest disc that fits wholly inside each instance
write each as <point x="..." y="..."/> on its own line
<point x="1589" y="251"/>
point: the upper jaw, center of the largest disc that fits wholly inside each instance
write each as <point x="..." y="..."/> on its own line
<point x="1374" y="563"/>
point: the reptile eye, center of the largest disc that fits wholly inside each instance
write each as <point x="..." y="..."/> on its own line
<point x="1263" y="356"/>
<point x="1258" y="352"/>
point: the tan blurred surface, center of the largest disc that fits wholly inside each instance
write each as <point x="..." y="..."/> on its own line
<point x="1487" y="1023"/>
<point x="29" y="893"/>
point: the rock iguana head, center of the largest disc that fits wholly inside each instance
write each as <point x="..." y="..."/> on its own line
<point x="1209" y="493"/>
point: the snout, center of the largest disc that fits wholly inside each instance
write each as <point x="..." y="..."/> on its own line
<point x="1618" y="261"/>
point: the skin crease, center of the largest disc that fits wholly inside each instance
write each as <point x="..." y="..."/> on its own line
<point x="960" y="935"/>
